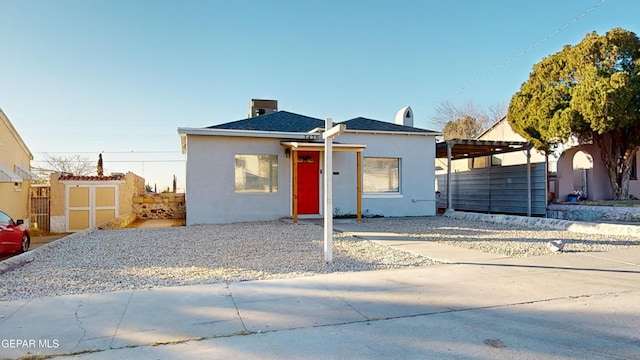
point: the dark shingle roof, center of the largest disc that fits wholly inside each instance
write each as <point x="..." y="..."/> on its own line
<point x="365" y="124"/>
<point x="277" y="121"/>
<point x="285" y="121"/>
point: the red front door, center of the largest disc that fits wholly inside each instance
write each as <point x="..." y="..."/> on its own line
<point x="308" y="182"/>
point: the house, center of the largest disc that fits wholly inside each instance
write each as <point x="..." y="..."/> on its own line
<point x="15" y="174"/>
<point x="269" y="166"/>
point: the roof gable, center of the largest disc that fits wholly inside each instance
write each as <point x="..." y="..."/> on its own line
<point x="14" y="133"/>
<point x="281" y="121"/>
<point x="365" y="124"/>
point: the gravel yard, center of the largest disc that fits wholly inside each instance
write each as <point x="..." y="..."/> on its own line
<point x="497" y="238"/>
<point x="112" y="260"/>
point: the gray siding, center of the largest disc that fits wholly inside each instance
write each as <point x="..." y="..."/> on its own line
<point x="496" y="189"/>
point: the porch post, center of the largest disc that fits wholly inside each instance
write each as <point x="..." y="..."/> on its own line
<point x="359" y="184"/>
<point x="294" y="157"/>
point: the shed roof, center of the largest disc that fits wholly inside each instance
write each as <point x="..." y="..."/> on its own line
<point x="115" y="177"/>
<point x="463" y="148"/>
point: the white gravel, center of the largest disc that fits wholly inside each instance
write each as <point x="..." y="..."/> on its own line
<point x="498" y="238"/>
<point x="112" y="260"/>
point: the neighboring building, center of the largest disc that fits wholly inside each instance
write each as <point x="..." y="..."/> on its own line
<point x="270" y="166"/>
<point x="82" y="202"/>
<point x="573" y="167"/>
<point x="15" y="174"/>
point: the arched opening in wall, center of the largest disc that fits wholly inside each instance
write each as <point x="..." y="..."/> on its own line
<point x="582" y="166"/>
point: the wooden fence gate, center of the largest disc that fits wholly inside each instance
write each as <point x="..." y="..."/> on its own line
<point x="40" y="208"/>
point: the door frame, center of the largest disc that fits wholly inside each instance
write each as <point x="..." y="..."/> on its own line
<point x="294" y="185"/>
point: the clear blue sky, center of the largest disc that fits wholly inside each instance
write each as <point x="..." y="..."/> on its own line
<point x="120" y="76"/>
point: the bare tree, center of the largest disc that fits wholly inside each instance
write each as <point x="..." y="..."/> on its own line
<point x="497" y="112"/>
<point x="448" y="112"/>
<point x="73" y="164"/>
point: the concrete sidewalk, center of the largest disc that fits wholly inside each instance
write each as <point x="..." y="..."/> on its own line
<point x="480" y="306"/>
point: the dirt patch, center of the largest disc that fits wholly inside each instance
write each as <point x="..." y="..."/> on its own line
<point x="37" y="241"/>
<point x="149" y="223"/>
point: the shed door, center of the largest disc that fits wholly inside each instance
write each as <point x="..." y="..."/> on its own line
<point x="308" y="182"/>
<point x="90" y="205"/>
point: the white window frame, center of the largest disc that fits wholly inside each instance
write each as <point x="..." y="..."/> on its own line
<point x="273" y="171"/>
<point x="382" y="194"/>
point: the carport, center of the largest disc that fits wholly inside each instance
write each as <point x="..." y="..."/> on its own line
<point x="464" y="149"/>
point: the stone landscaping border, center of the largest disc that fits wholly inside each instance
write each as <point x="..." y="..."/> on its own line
<point x="551" y="224"/>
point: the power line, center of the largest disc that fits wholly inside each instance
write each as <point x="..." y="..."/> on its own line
<point x="535" y="45"/>
<point x="110" y="152"/>
<point x="115" y="161"/>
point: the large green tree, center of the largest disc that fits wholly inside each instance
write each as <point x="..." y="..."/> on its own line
<point x="590" y="91"/>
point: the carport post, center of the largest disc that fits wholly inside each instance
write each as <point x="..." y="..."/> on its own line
<point x="529" y="181"/>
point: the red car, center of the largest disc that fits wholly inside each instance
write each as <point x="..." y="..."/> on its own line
<point x="13" y="236"/>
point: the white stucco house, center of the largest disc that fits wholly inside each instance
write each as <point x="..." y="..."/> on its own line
<point x="269" y="166"/>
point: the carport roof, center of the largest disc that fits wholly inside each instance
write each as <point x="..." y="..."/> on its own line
<point x="465" y="148"/>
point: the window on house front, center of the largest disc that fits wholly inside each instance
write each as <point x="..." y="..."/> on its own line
<point x="256" y="173"/>
<point x="634" y="168"/>
<point x="381" y="175"/>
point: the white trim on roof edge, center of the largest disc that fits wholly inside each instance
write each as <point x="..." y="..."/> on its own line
<point x="183" y="132"/>
<point x="246" y="133"/>
<point x="393" y="132"/>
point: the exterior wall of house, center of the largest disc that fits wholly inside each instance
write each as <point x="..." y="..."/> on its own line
<point x="14" y="197"/>
<point x="211" y="197"/>
<point x="417" y="175"/>
<point x="598" y="185"/>
<point x="210" y="194"/>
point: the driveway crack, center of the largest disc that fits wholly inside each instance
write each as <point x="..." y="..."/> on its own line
<point x="79" y="321"/>
<point x="244" y="327"/>
<point x="120" y="321"/>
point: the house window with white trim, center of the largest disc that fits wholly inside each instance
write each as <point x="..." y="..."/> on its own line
<point x="381" y="175"/>
<point x="256" y="173"/>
